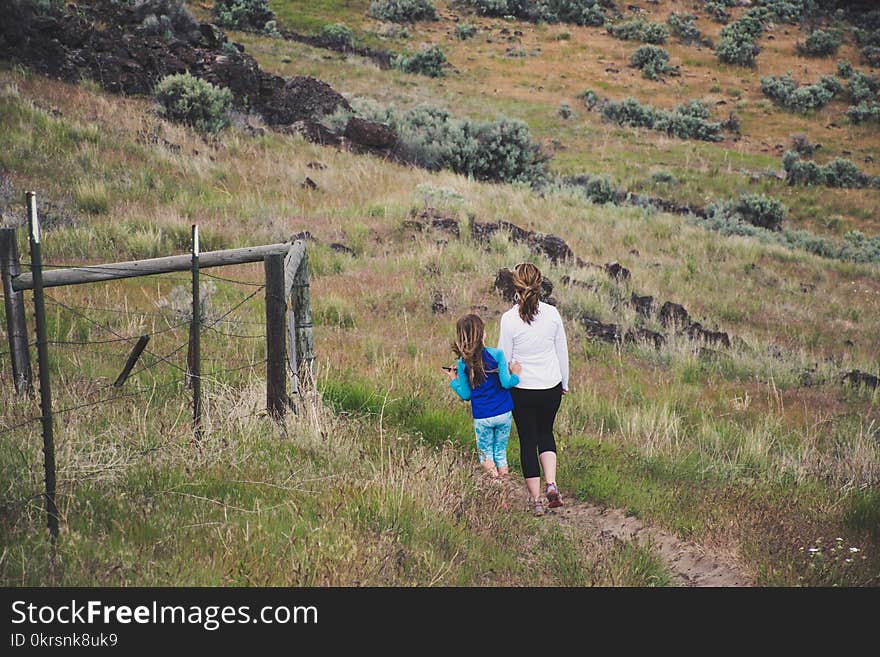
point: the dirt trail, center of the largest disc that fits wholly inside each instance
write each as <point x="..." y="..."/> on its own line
<point x="690" y="564"/>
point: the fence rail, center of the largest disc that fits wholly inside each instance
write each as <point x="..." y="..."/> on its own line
<point x="288" y="327"/>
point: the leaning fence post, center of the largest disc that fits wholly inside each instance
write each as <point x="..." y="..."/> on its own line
<point x="276" y="307"/>
<point x="16" y="320"/>
<point x="195" y="330"/>
<point x="302" y="312"/>
<point x="43" y="358"/>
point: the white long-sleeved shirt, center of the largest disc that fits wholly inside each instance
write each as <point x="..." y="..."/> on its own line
<point x="540" y="347"/>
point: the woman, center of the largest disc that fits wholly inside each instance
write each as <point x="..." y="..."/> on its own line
<point x="532" y="334"/>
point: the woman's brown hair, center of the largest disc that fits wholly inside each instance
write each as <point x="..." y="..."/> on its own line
<point x="468" y="346"/>
<point x="527" y="280"/>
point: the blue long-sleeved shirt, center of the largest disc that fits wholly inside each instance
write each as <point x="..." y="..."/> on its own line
<point x="492" y="396"/>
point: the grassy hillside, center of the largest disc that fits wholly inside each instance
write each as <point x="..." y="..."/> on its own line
<point x="757" y="450"/>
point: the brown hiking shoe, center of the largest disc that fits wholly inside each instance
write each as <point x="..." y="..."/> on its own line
<point x="554" y="499"/>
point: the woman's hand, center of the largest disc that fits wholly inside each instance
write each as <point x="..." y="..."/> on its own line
<point x="514" y="367"/>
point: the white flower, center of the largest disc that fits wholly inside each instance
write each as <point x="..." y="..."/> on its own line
<point x="814" y="550"/>
<point x="854" y="550"/>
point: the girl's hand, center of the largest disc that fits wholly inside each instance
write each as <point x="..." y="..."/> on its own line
<point x="452" y="374"/>
<point x="514" y="367"/>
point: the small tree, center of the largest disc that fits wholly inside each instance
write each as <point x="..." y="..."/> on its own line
<point x="430" y="61"/>
<point x="403" y="11"/>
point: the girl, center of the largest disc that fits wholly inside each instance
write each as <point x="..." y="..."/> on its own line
<point x="532" y="332"/>
<point x="483" y="377"/>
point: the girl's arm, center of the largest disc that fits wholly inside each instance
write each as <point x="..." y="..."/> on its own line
<point x="508" y="379"/>
<point x="460" y="384"/>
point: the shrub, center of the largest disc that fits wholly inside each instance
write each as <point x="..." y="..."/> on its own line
<point x="596" y="189"/>
<point x="249" y="15"/>
<point x="821" y="43"/>
<point x="837" y="173"/>
<point x="738" y="51"/>
<point x="687" y="121"/>
<point x="864" y="88"/>
<point x="495" y="151"/>
<point x="589" y="97"/>
<point x="801" y="145"/>
<point x="337" y="35"/>
<point x="638" y="30"/>
<point x="403" y="11"/>
<point x="684" y="28"/>
<point x="760" y="210"/>
<point x="465" y="31"/>
<point x="870" y="55"/>
<point x="718" y="11"/>
<point x="662" y="177"/>
<point x="565" y="111"/>
<point x="864" y="112"/>
<point x="194" y="101"/>
<point x="430" y="61"/>
<point x="653" y="61"/>
<point x="785" y="91"/>
<point x="787" y="11"/>
<point x="844" y="69"/>
<point x="577" y="12"/>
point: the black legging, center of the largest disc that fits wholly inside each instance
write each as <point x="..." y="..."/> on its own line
<point x="534" y="412"/>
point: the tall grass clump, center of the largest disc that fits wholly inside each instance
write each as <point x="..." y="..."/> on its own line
<point x="337" y="35"/>
<point x="195" y="102"/>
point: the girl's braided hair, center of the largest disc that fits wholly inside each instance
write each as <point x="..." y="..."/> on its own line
<point x="468" y="346"/>
<point x="527" y="279"/>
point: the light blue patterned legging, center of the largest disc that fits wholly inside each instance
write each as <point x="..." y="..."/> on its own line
<point x="492" y="434"/>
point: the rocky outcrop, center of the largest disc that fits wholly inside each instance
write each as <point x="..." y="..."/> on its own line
<point x="122" y="48"/>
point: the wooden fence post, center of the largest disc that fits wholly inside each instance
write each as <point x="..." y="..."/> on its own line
<point x="16" y="320"/>
<point x="195" y="338"/>
<point x="302" y="313"/>
<point x="43" y="358"/>
<point x="276" y="307"/>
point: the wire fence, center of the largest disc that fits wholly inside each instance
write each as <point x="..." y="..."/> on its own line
<point x="89" y="332"/>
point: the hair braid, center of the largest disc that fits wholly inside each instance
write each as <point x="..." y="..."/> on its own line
<point x="527" y="279"/>
<point x="468" y="346"/>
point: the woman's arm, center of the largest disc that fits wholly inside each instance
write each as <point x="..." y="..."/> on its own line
<point x="560" y="342"/>
<point x="460" y="384"/>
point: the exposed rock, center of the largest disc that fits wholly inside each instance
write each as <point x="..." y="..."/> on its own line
<point x="857" y="379"/>
<point x="568" y="280"/>
<point x="382" y="58"/>
<point x="313" y="131"/>
<point x="370" y="135"/>
<point x="674" y="313"/>
<point x="314" y="164"/>
<point x="106" y="41"/>
<point x="341" y="248"/>
<point x="438" y="305"/>
<point x="614" y="333"/>
<point x="308" y="183"/>
<point x="644" y="305"/>
<point x="616" y="271"/>
<point x="551" y="246"/>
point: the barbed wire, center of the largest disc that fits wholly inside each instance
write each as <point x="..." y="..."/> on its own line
<point x="229" y="280"/>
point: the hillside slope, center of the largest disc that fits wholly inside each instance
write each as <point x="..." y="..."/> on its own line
<point x="757" y="449"/>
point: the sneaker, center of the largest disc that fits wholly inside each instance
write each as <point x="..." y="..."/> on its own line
<point x="554" y="499"/>
<point x="538" y="507"/>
